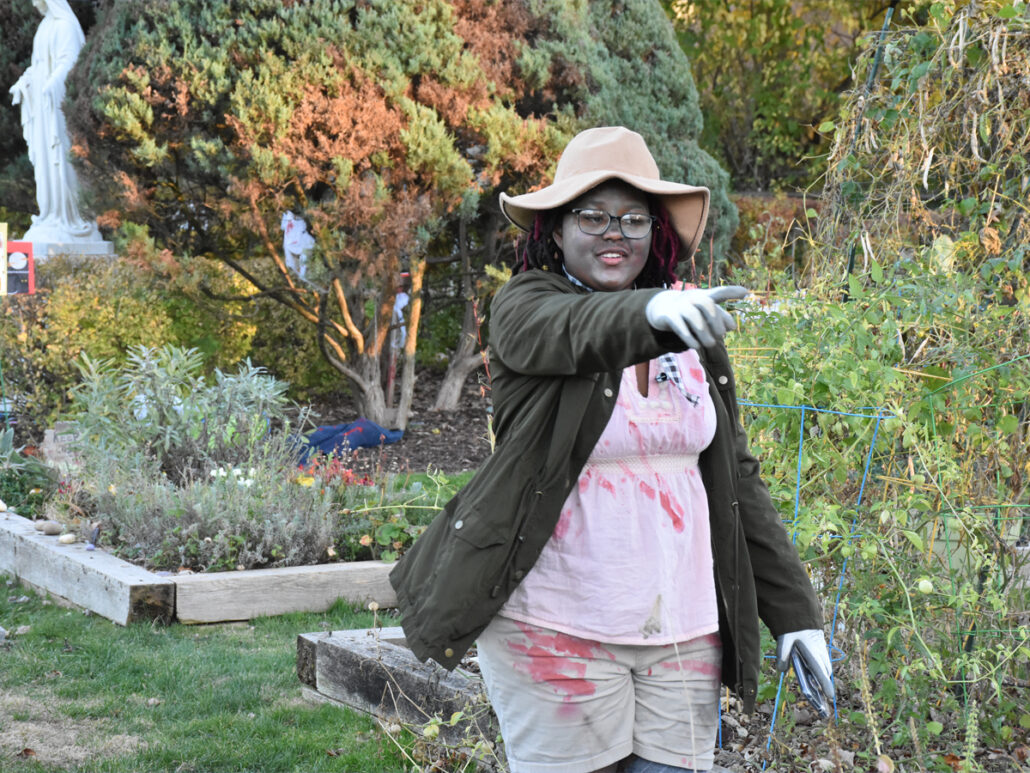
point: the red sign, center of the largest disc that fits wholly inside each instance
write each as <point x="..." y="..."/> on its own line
<point x="20" y="276"/>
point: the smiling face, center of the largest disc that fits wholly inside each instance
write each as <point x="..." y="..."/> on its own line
<point x="608" y="261"/>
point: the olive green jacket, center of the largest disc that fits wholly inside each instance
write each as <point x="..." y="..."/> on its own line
<point x="557" y="353"/>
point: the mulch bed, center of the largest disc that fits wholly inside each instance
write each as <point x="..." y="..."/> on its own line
<point x="433" y="440"/>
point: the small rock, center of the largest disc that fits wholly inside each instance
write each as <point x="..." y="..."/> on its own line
<point x="21" y="630"/>
<point x="153" y="701"/>
<point x="803" y="716"/>
<point x="18" y="600"/>
<point x="3" y="506"/>
<point x="3" y="634"/>
<point x="51" y="528"/>
<point x="66" y="539"/>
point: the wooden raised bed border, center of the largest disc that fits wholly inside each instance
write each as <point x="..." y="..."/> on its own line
<point x="372" y="670"/>
<point x="106" y="585"/>
<point x="123" y="592"/>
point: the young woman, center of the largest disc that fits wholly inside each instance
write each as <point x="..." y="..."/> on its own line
<point x="613" y="557"/>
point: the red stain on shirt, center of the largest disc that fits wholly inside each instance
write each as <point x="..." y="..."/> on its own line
<point x="698" y="375"/>
<point x="713" y="640"/>
<point x="647" y="490"/>
<point x="673" y="509"/>
<point x="564" y="521"/>
<point x="607" y="485"/>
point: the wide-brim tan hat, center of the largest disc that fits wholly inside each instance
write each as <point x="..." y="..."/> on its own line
<point x="606" y="153"/>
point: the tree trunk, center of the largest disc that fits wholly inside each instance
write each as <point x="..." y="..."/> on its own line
<point x="467" y="355"/>
<point x="371" y="397"/>
<point x="449" y="395"/>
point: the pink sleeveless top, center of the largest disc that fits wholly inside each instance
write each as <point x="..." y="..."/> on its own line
<point x="630" y="560"/>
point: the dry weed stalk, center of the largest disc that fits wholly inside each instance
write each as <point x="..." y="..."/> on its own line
<point x="867" y="695"/>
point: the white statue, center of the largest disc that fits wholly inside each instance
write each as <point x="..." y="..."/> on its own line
<point x="40" y="90"/>
<point x="297" y="243"/>
<point x="400" y="334"/>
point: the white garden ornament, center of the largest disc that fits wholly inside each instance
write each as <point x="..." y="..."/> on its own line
<point x="59" y="227"/>
<point x="297" y="243"/>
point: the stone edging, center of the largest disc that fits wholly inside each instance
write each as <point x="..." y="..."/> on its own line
<point x="123" y="592"/>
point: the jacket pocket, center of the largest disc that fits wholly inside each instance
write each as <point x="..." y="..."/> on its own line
<point x="479" y="532"/>
<point x="483" y="552"/>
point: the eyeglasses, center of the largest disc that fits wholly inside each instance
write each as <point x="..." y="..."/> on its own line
<point x="595" y="222"/>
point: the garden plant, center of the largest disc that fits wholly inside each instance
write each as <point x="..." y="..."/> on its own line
<point x="910" y="502"/>
<point x="180" y="472"/>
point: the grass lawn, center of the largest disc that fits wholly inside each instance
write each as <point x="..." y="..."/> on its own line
<point x="84" y="694"/>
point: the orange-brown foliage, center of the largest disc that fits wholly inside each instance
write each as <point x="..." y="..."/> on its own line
<point x="355" y="122"/>
<point x="450" y="103"/>
<point x="490" y="30"/>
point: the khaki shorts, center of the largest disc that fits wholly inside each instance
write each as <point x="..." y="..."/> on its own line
<point x="574" y="705"/>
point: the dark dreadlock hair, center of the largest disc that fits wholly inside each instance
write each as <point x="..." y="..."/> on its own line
<point x="538" y="250"/>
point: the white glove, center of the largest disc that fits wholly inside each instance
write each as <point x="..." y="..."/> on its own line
<point x="694" y="315"/>
<point x="811" y="646"/>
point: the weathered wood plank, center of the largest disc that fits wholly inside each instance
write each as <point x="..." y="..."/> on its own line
<point x="371" y="670"/>
<point x="96" y="580"/>
<point x="216" y="596"/>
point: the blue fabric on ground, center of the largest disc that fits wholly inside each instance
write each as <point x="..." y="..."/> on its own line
<point x="341" y="438"/>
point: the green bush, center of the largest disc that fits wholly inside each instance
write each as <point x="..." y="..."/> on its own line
<point x="159" y="408"/>
<point x="102" y="308"/>
<point x="381" y="519"/>
<point x="183" y="472"/>
<point x="929" y="612"/>
<point x="286" y="345"/>
<point x="25" y="482"/>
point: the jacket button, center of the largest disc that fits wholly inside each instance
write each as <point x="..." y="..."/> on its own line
<point x="608" y="392"/>
<point x="519" y="575"/>
<point x="448" y="653"/>
<point x="458" y="524"/>
<point x="723" y="380"/>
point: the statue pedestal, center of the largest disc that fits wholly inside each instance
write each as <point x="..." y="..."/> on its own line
<point x="44" y="250"/>
<point x="50" y="238"/>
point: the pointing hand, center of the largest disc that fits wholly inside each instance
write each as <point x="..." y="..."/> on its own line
<point x="694" y="315"/>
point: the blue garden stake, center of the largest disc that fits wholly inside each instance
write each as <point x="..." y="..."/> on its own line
<point x="836" y="654"/>
<point x="797" y="480"/>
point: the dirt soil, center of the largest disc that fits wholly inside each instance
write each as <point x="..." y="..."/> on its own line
<point x="34" y="730"/>
<point x="445" y="442"/>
